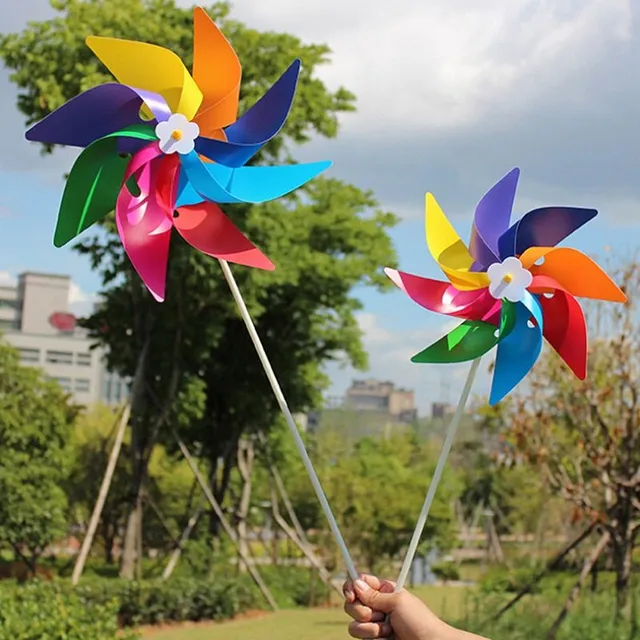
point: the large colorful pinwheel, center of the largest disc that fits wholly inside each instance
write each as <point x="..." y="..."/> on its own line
<point x="511" y="287"/>
<point x="163" y="147"/>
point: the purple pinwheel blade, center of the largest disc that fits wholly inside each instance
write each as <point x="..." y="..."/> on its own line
<point x="519" y="350"/>
<point x="96" y="113"/>
<point x="545" y="227"/>
<point x="257" y="126"/>
<point x="491" y="220"/>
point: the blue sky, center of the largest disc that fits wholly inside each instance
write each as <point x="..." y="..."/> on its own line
<point x="450" y="100"/>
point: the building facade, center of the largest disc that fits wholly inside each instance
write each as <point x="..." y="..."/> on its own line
<point x="36" y="320"/>
<point x="382" y="397"/>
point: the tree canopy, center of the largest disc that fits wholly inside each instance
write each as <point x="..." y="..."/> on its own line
<point x="36" y="422"/>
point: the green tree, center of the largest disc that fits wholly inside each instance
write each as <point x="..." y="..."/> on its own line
<point x="36" y="422"/>
<point x="377" y="488"/>
<point x="325" y="242"/>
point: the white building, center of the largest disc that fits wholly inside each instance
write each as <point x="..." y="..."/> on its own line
<point x="35" y="318"/>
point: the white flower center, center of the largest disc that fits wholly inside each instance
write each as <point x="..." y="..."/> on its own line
<point x="508" y="279"/>
<point x="177" y="134"/>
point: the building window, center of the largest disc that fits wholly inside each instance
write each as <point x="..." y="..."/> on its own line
<point x="29" y="355"/>
<point x="8" y="304"/>
<point x="59" y="357"/>
<point x="65" y="383"/>
<point x="8" y="324"/>
<point x="83" y="359"/>
<point x="82" y="385"/>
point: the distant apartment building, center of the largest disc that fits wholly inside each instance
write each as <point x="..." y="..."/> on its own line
<point x="381" y="397"/>
<point x="35" y="319"/>
<point x="441" y="410"/>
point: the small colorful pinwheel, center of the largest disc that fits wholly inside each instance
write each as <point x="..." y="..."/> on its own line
<point x="512" y="286"/>
<point x="164" y="147"/>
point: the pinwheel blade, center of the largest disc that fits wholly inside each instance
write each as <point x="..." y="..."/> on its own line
<point x="442" y="297"/>
<point x="449" y="251"/>
<point x="217" y="72"/>
<point x="257" y="126"/>
<point x="152" y="68"/>
<point x="144" y="225"/>
<point x="217" y="183"/>
<point x="573" y="271"/>
<point x="565" y="327"/>
<point x="206" y="228"/>
<point x="545" y="227"/>
<point x="468" y="341"/>
<point x="518" y="350"/>
<point x="91" y="190"/>
<point x="491" y="220"/>
<point x="96" y="113"/>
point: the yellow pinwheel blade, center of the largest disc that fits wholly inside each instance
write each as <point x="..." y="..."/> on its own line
<point x="217" y="71"/>
<point x="449" y="251"/>
<point x="147" y="66"/>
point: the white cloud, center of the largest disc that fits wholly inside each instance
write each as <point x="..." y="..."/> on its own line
<point x="6" y="279"/>
<point x="81" y="303"/>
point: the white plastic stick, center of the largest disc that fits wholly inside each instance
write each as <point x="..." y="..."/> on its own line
<point x="437" y="476"/>
<point x="268" y="369"/>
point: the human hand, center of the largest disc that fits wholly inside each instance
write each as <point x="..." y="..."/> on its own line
<point x="380" y="613"/>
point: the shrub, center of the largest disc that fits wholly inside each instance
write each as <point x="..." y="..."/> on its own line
<point x="447" y="571"/>
<point x="38" y="610"/>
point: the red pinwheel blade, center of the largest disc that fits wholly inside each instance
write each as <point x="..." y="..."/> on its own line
<point x="443" y="297"/>
<point x="565" y="327"/>
<point x="206" y="228"/>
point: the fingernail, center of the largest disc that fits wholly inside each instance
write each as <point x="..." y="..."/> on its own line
<point x="361" y="585"/>
<point x="348" y="594"/>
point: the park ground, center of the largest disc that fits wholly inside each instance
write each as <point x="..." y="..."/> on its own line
<point x="302" y="624"/>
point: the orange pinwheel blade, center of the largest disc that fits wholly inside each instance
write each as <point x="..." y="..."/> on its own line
<point x="147" y="66"/>
<point x="573" y="271"/>
<point x="449" y="251"/>
<point x="217" y="72"/>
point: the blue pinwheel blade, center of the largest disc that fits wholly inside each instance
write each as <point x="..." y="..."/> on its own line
<point x="519" y="350"/>
<point x="545" y="227"/>
<point x="96" y="113"/>
<point x="217" y="183"/>
<point x="257" y="126"/>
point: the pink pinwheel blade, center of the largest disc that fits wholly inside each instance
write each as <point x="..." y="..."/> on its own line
<point x="206" y="228"/>
<point x="143" y="222"/>
<point x="565" y="328"/>
<point x="442" y="297"/>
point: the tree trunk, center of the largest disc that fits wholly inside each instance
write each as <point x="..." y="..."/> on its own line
<point x="622" y="559"/>
<point x="245" y="458"/>
<point x="589" y="563"/>
<point x="215" y="505"/>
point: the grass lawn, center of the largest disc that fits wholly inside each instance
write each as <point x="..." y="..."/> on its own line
<point x="301" y="624"/>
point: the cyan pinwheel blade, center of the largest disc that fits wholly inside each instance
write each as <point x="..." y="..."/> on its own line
<point x="254" y="185"/>
<point x="518" y="350"/>
<point x="96" y="113"/>
<point x="544" y="227"/>
<point x="468" y="341"/>
<point x="95" y="179"/>
<point x="491" y="220"/>
<point x="257" y="126"/>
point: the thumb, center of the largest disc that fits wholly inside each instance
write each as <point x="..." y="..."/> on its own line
<point x="376" y="600"/>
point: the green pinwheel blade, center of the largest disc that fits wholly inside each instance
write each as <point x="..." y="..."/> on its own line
<point x="469" y="340"/>
<point x="94" y="182"/>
